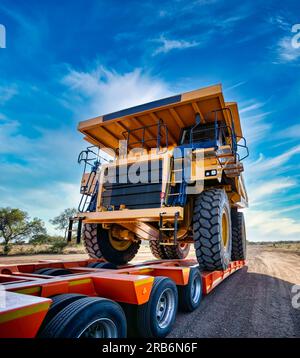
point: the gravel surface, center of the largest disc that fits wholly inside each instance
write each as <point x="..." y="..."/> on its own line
<point x="253" y="302"/>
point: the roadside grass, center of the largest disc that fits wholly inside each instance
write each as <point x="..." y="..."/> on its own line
<point x="27" y="249"/>
<point x="72" y="248"/>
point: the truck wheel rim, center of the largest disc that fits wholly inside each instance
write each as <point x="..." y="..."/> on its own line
<point x="165" y="308"/>
<point x="196" y="289"/>
<point x="225" y="228"/>
<point x="100" y="328"/>
<point x="119" y="244"/>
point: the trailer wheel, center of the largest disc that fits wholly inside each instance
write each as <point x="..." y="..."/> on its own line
<point x="41" y="271"/>
<point x="154" y="319"/>
<point x="190" y="295"/>
<point x="56" y="272"/>
<point x="212" y="230"/>
<point x="99" y="243"/>
<point x="239" y="244"/>
<point x="59" y="302"/>
<point x="90" y="317"/>
<point x="157" y="250"/>
<point x="104" y="265"/>
<point x="179" y="251"/>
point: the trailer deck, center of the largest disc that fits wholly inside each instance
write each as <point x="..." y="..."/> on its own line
<point x="25" y="296"/>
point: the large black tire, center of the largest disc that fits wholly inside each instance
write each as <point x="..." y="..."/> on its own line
<point x="212" y="230"/>
<point x="179" y="251"/>
<point x="239" y="244"/>
<point x="157" y="250"/>
<point x="143" y="320"/>
<point x="59" y="302"/>
<point x="74" y="320"/>
<point x="98" y="245"/>
<point x="190" y="295"/>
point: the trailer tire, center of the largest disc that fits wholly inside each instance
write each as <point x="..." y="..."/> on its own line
<point x="143" y="320"/>
<point x="190" y="295"/>
<point x="179" y="251"/>
<point x="56" y="272"/>
<point x="77" y="319"/>
<point x="212" y="230"/>
<point x="41" y="271"/>
<point x="59" y="302"/>
<point x="239" y="243"/>
<point x="92" y="264"/>
<point x="104" y="265"/>
<point x="98" y="244"/>
<point x="157" y="250"/>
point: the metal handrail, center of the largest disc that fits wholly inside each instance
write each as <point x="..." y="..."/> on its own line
<point x="160" y="124"/>
<point x="228" y="134"/>
<point x="92" y="158"/>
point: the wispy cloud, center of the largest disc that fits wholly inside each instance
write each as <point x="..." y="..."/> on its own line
<point x="251" y="107"/>
<point x="167" y="45"/>
<point x="7" y="92"/>
<point x="280" y="21"/>
<point x="291" y="132"/>
<point x="266" y="189"/>
<point x="99" y="90"/>
<point x="236" y="85"/>
<point x="254" y="121"/>
<point x="263" y="164"/>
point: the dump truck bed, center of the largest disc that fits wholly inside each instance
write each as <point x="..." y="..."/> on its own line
<point x="177" y="112"/>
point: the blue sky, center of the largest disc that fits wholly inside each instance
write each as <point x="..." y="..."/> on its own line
<point x="67" y="61"/>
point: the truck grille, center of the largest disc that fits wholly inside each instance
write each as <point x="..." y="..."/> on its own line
<point x="142" y="195"/>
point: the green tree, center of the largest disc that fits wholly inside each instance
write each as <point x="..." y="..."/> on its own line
<point x="16" y="226"/>
<point x="40" y="239"/>
<point x="61" y="222"/>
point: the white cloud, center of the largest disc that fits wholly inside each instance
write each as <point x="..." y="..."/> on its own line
<point x="168" y="45"/>
<point x="45" y="178"/>
<point x="44" y="202"/>
<point x="251" y="107"/>
<point x="263" y="165"/>
<point x="99" y="90"/>
<point x="261" y="191"/>
<point x="285" y="51"/>
<point x="292" y="132"/>
<point x="7" y="93"/>
<point x="272" y="225"/>
<point x="266" y="188"/>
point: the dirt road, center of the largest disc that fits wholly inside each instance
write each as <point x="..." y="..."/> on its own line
<point x="253" y="302"/>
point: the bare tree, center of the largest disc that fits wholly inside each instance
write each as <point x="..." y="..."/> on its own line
<point x="61" y="221"/>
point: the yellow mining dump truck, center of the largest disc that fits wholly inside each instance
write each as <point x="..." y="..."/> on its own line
<point x="168" y="172"/>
